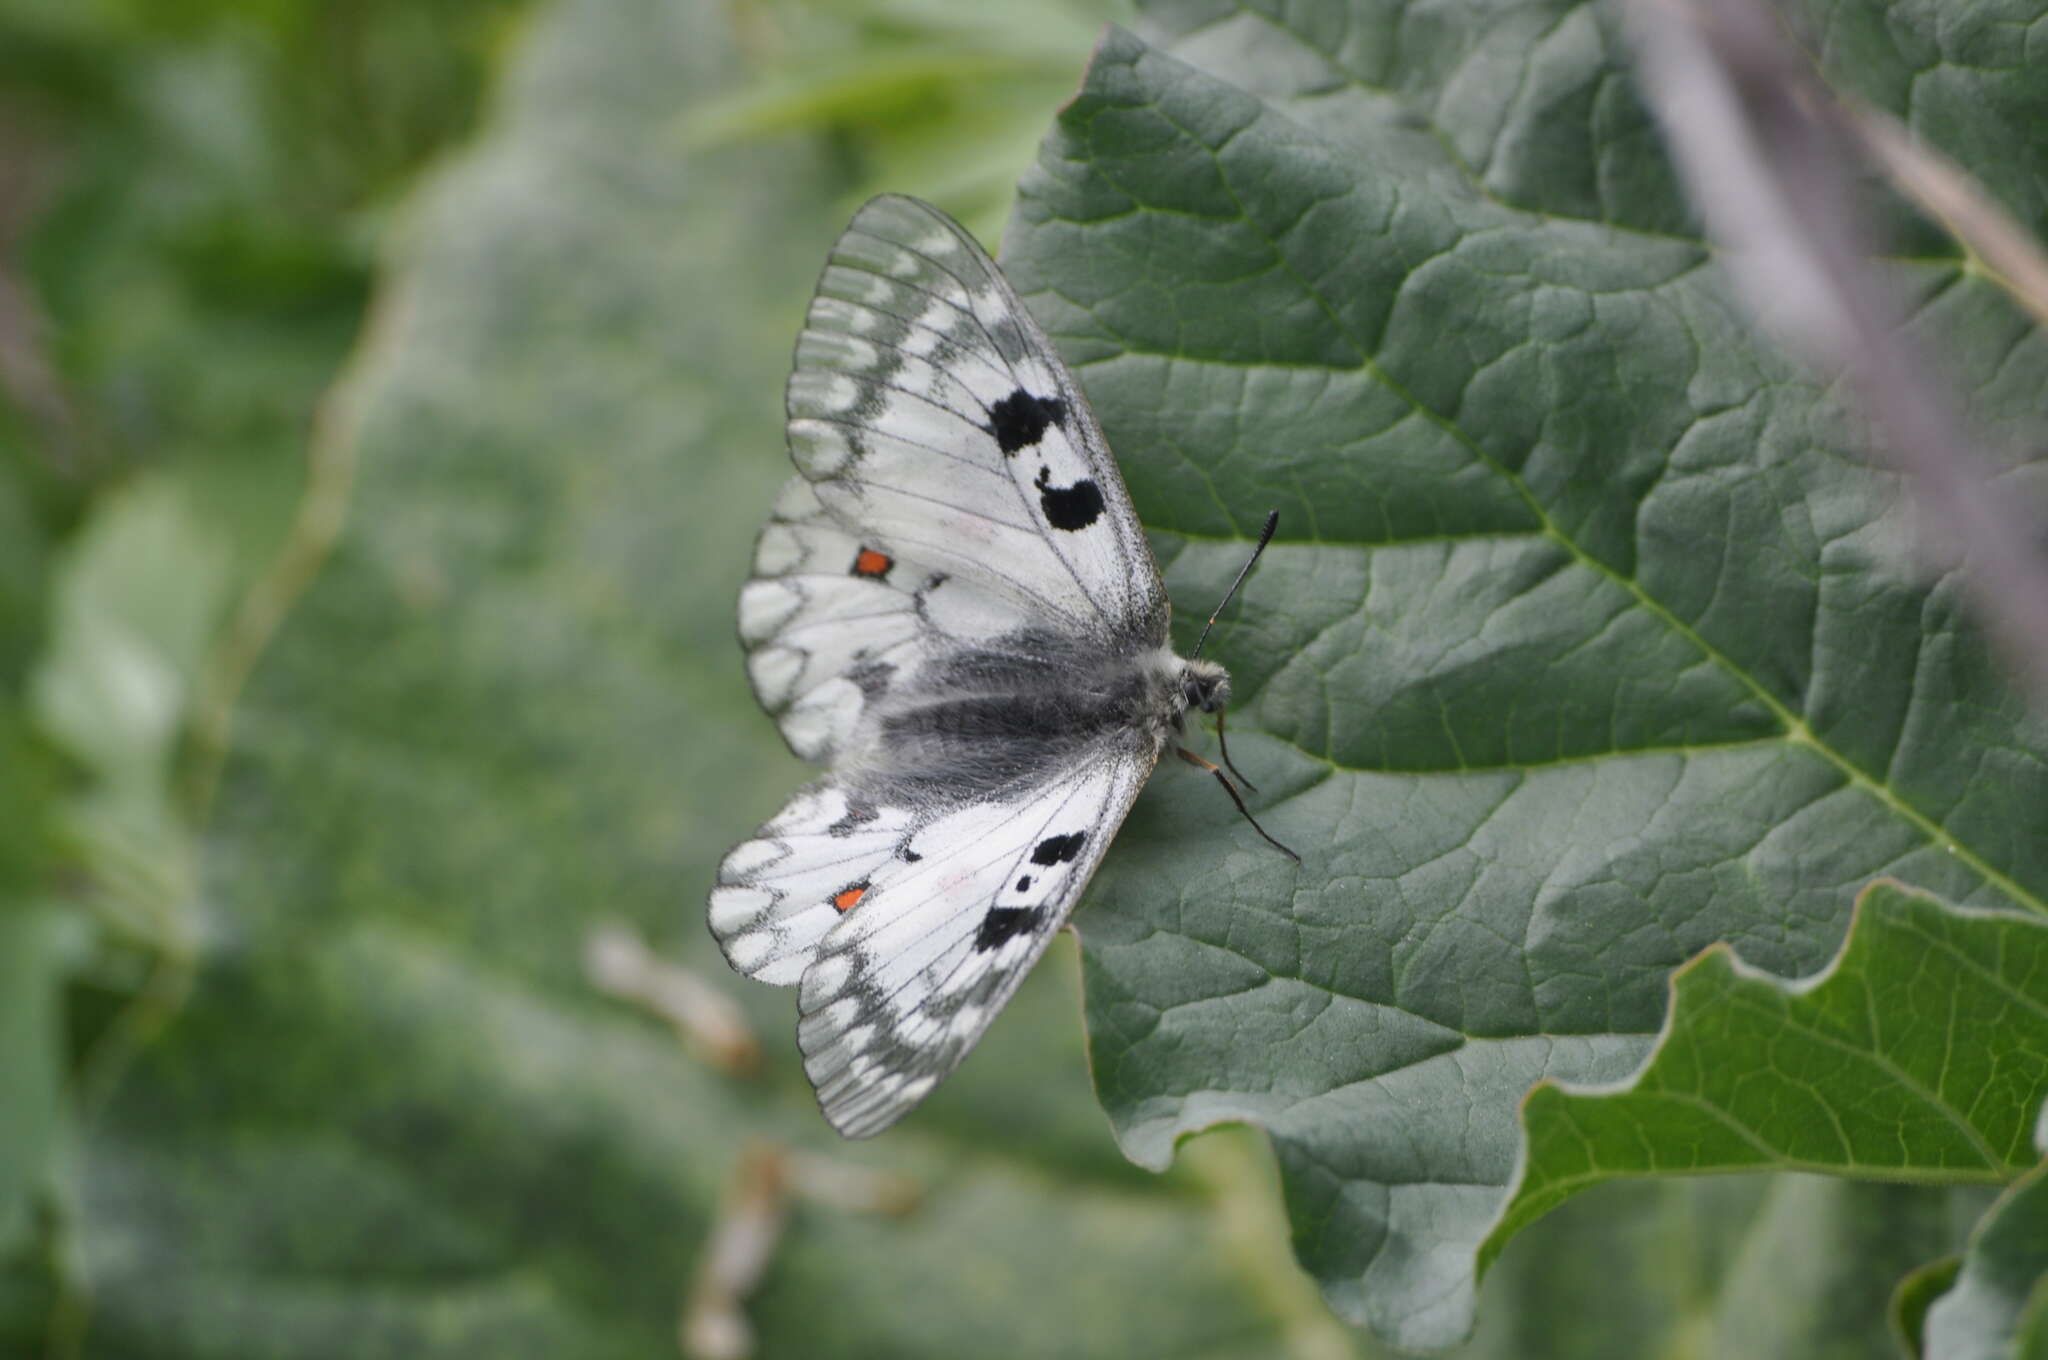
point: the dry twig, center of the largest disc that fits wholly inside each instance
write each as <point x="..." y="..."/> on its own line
<point x="1766" y="152"/>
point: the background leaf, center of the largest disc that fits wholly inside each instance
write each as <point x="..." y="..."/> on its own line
<point x="1589" y="640"/>
<point x="1998" y="1305"/>
<point x="31" y="966"/>
<point x="1916" y="1291"/>
<point x="1921" y="1052"/>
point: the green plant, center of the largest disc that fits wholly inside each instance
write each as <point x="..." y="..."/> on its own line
<point x="1591" y="660"/>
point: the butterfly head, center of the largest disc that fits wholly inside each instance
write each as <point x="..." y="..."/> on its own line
<point x="1204" y="685"/>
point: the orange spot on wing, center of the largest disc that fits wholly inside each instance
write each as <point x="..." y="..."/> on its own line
<point x="846" y="897"/>
<point x="868" y="562"/>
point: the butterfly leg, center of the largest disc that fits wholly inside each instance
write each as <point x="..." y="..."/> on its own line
<point x="1191" y="758"/>
<point x="1225" y="751"/>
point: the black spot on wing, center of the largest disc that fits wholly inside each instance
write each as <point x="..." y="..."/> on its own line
<point x="1024" y="883"/>
<point x="1069" y="507"/>
<point x="1020" y="419"/>
<point x="1058" y="849"/>
<point x="858" y="814"/>
<point x="1003" y="924"/>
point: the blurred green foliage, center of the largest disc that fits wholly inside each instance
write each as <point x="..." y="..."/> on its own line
<point x="198" y="243"/>
<point x="190" y="199"/>
<point x="196" y="189"/>
<point x="313" y="1069"/>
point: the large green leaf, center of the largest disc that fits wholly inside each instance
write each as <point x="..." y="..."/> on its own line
<point x="1589" y="639"/>
<point x="393" y="1116"/>
<point x="1921" y="1053"/>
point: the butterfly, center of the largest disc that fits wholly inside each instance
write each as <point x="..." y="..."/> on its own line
<point x="954" y="608"/>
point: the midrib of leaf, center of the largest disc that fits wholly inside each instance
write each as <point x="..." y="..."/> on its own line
<point x="1796" y="731"/>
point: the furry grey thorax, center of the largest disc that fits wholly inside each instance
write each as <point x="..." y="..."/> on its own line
<point x="993" y="717"/>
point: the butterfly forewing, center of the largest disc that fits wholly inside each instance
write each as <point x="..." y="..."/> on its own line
<point x="929" y="409"/>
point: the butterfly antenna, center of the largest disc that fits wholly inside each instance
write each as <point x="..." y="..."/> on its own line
<point x="1191" y="758"/>
<point x="1265" y="537"/>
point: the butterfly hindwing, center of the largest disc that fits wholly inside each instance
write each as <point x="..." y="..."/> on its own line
<point x="904" y="984"/>
<point x="831" y="619"/>
<point x="780" y="893"/>
<point x="906" y="932"/>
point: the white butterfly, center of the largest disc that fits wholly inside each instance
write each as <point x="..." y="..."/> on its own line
<point x="953" y="607"/>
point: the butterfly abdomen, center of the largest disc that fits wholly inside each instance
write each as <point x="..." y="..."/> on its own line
<point x="994" y="718"/>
